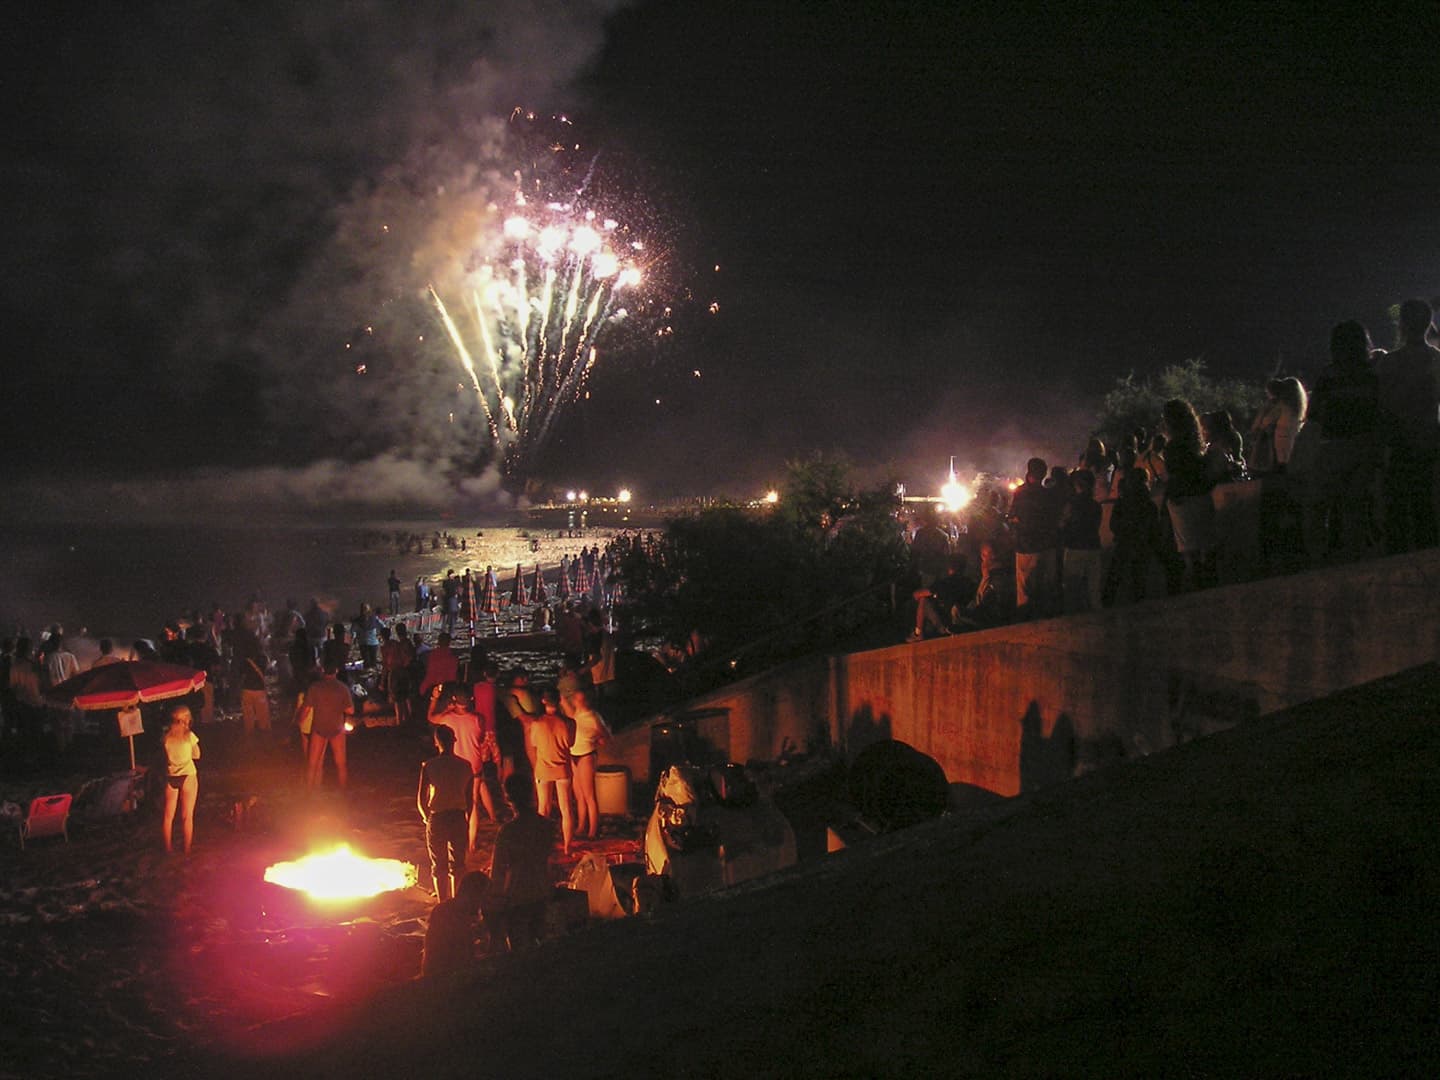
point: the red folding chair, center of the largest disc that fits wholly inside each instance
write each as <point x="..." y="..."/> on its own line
<point x="49" y="816"/>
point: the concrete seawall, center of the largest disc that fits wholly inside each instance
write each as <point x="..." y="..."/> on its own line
<point x="1023" y="706"/>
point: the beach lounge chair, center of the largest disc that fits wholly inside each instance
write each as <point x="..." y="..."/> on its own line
<point x="49" y="816"/>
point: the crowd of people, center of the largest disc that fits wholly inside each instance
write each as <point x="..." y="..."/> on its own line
<point x="268" y="672"/>
<point x="1349" y="467"/>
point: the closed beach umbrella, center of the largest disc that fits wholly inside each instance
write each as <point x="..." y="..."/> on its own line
<point x="490" y="594"/>
<point x="538" y="592"/>
<point x="470" y="607"/>
<point x="518" y="593"/>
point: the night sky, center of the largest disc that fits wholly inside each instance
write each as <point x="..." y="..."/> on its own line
<point x="938" y="231"/>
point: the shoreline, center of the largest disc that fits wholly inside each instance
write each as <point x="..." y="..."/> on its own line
<point x="125" y="583"/>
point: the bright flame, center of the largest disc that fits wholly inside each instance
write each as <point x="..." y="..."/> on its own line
<point x="956" y="495"/>
<point x="340" y="874"/>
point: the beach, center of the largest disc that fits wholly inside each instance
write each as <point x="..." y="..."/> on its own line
<point x="117" y="956"/>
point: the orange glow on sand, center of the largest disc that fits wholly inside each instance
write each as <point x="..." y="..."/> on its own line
<point x="341" y="874"/>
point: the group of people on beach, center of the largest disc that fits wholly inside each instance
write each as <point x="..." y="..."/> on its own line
<point x="520" y="755"/>
<point x="1349" y="468"/>
<point x="474" y="596"/>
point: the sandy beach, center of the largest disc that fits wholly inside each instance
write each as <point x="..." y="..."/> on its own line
<point x="117" y="956"/>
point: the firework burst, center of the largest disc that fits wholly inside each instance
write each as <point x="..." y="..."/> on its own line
<point x="550" y="275"/>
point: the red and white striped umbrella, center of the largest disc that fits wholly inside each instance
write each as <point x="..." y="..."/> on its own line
<point x="128" y="683"/>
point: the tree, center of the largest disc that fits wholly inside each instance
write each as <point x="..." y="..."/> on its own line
<point x="1133" y="403"/>
<point x="751" y="578"/>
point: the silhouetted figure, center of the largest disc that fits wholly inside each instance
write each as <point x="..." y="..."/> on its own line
<point x="451" y="931"/>
<point x="520" y="878"/>
<point x="1135" y="525"/>
<point x="1080" y="539"/>
<point x="1346" y="410"/>
<point x="1035" y="518"/>
<point x="444" y="801"/>
<point x="1410" y="399"/>
<point x="1187" y="492"/>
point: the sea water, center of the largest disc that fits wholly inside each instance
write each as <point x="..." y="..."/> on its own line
<point x="127" y="581"/>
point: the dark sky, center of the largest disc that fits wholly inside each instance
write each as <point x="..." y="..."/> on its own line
<point x="938" y="231"/>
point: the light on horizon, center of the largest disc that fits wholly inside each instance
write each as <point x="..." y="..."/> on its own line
<point x="624" y="495"/>
<point x="954" y="494"/>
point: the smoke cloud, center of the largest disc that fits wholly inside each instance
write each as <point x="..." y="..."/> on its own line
<point x="231" y="211"/>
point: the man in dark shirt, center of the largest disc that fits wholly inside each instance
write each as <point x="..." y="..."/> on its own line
<point x="1035" y="520"/>
<point x="1080" y="538"/>
<point x="204" y="657"/>
<point x="251" y="663"/>
<point x="444" y="801"/>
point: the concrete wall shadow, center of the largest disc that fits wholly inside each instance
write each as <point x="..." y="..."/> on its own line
<point x="1045" y="759"/>
<point x="863" y="729"/>
<point x="1119" y="683"/>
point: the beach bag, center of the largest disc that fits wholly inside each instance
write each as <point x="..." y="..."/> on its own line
<point x="680" y="785"/>
<point x="677" y="806"/>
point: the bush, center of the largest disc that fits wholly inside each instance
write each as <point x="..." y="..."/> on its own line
<point x="1132" y="404"/>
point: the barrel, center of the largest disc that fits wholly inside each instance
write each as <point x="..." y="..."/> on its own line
<point x="612" y="790"/>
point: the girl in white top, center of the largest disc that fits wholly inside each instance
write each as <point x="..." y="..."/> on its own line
<point x="591" y="732"/>
<point x="182" y="782"/>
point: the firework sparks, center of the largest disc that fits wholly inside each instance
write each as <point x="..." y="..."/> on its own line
<point x="540" y="290"/>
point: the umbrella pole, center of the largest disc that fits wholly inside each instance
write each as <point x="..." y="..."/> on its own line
<point x="132" y="753"/>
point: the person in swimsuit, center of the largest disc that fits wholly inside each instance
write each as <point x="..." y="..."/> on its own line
<point x="182" y="781"/>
